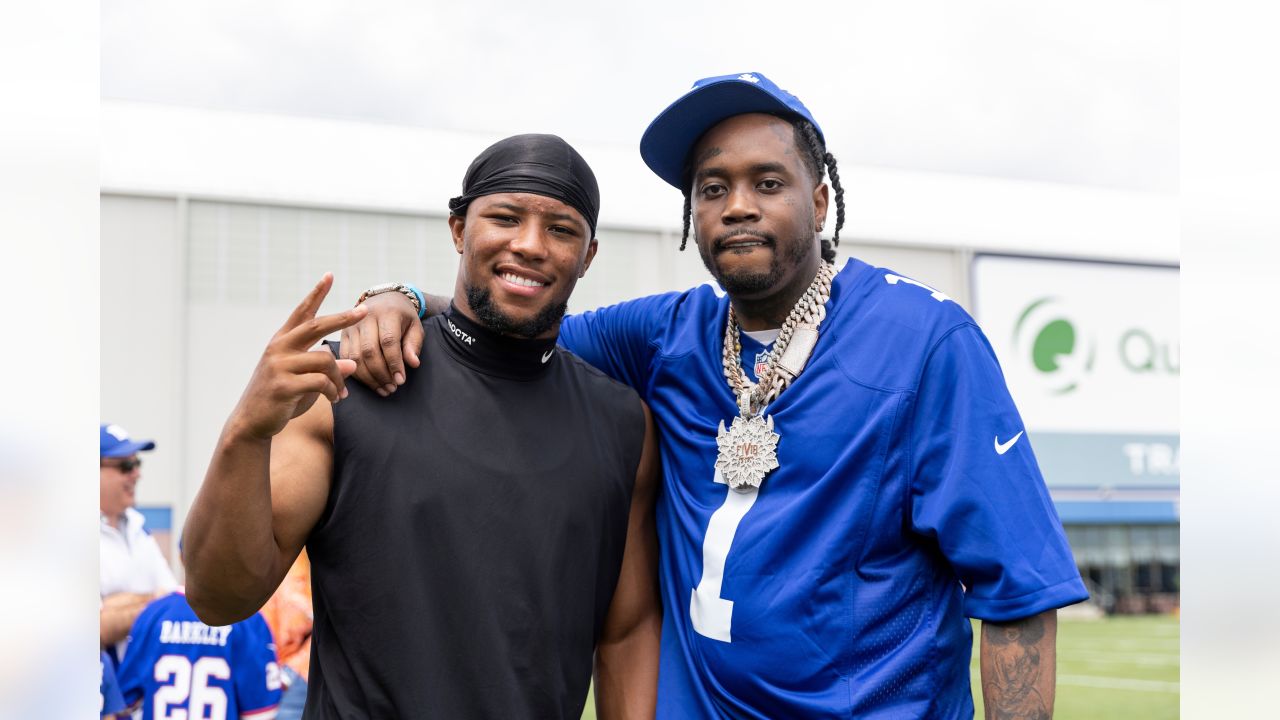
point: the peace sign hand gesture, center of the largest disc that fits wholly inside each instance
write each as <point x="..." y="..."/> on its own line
<point x="291" y="376"/>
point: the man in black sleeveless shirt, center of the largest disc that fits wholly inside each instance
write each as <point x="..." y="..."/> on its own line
<point x="473" y="541"/>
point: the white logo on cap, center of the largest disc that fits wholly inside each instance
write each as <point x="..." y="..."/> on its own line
<point x="117" y="432"/>
<point x="748" y="77"/>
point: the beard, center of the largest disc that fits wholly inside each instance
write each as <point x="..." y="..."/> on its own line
<point x="753" y="283"/>
<point x="481" y="302"/>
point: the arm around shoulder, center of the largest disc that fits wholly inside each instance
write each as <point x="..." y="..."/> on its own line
<point x="626" y="665"/>
<point x="388" y="338"/>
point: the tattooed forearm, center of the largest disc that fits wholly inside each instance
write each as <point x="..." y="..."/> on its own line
<point x="1018" y="665"/>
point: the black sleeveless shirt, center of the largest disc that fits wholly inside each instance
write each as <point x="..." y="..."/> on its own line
<point x="472" y="539"/>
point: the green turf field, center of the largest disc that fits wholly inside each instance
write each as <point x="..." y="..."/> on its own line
<point x="1124" y="667"/>
<point x="1120" y="667"/>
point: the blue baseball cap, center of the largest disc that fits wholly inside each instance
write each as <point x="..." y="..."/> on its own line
<point x="114" y="442"/>
<point x="671" y="136"/>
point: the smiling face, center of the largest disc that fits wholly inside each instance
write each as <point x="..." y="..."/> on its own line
<point x="118" y="486"/>
<point x="755" y="207"/>
<point x="522" y="255"/>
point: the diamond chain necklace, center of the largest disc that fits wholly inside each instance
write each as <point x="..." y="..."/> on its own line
<point x="748" y="448"/>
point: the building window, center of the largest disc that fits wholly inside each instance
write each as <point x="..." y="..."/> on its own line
<point x="1128" y="568"/>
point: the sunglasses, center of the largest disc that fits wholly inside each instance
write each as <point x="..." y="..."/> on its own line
<point x="126" y="466"/>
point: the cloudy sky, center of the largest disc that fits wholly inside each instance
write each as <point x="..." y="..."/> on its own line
<point x="1079" y="92"/>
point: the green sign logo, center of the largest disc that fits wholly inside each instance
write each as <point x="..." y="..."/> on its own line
<point x="1046" y="336"/>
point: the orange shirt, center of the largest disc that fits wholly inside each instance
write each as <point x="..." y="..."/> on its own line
<point x="289" y="616"/>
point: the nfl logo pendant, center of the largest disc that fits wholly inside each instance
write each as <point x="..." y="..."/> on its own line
<point x="762" y="362"/>
<point x="748" y="451"/>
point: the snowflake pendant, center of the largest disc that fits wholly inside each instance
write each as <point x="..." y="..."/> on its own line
<point x="748" y="451"/>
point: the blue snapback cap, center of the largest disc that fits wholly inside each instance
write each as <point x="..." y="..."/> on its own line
<point x="114" y="442"/>
<point x="669" y="138"/>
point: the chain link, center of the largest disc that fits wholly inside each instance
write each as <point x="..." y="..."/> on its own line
<point x="810" y="309"/>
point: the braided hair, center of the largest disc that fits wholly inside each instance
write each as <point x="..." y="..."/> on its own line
<point x="815" y="157"/>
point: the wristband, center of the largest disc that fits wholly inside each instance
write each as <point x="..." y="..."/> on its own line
<point x="422" y="301"/>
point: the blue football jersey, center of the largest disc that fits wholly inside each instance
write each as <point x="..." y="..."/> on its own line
<point x="181" y="668"/>
<point x="907" y="500"/>
<point x="110" y="701"/>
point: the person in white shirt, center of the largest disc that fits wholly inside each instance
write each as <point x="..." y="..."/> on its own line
<point x="132" y="570"/>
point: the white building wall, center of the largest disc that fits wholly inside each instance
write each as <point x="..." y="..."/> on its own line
<point x="143" y="320"/>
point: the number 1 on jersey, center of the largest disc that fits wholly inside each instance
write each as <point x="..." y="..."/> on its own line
<point x="711" y="614"/>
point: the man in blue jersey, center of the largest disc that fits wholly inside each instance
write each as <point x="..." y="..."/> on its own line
<point x="846" y="477"/>
<point x="177" y="666"/>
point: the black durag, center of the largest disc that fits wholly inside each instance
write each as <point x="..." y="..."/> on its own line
<point x="533" y="163"/>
